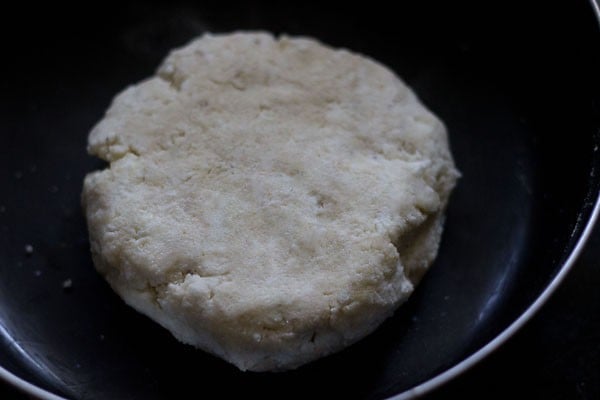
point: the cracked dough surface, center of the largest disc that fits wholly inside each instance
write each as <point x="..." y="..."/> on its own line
<point x="270" y="201"/>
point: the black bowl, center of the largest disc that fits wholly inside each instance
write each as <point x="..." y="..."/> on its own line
<point x="517" y="84"/>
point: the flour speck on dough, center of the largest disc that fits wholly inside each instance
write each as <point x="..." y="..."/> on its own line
<point x="269" y="200"/>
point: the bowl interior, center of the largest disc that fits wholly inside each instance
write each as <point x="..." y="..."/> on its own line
<point x="519" y="97"/>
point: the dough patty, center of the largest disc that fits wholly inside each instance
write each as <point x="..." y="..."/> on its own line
<point x="269" y="201"/>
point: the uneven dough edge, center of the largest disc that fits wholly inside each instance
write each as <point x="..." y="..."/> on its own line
<point x="315" y="342"/>
<point x="276" y="352"/>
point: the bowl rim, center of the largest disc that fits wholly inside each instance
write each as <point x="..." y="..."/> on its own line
<point x="463" y="366"/>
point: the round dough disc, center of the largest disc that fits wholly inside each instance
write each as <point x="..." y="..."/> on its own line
<point x="269" y="200"/>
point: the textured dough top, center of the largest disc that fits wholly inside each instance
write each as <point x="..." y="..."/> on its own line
<point x="261" y="187"/>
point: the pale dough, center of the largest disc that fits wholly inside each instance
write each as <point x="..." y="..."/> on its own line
<point x="268" y="200"/>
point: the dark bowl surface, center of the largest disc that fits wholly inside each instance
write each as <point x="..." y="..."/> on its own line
<point x="517" y="84"/>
